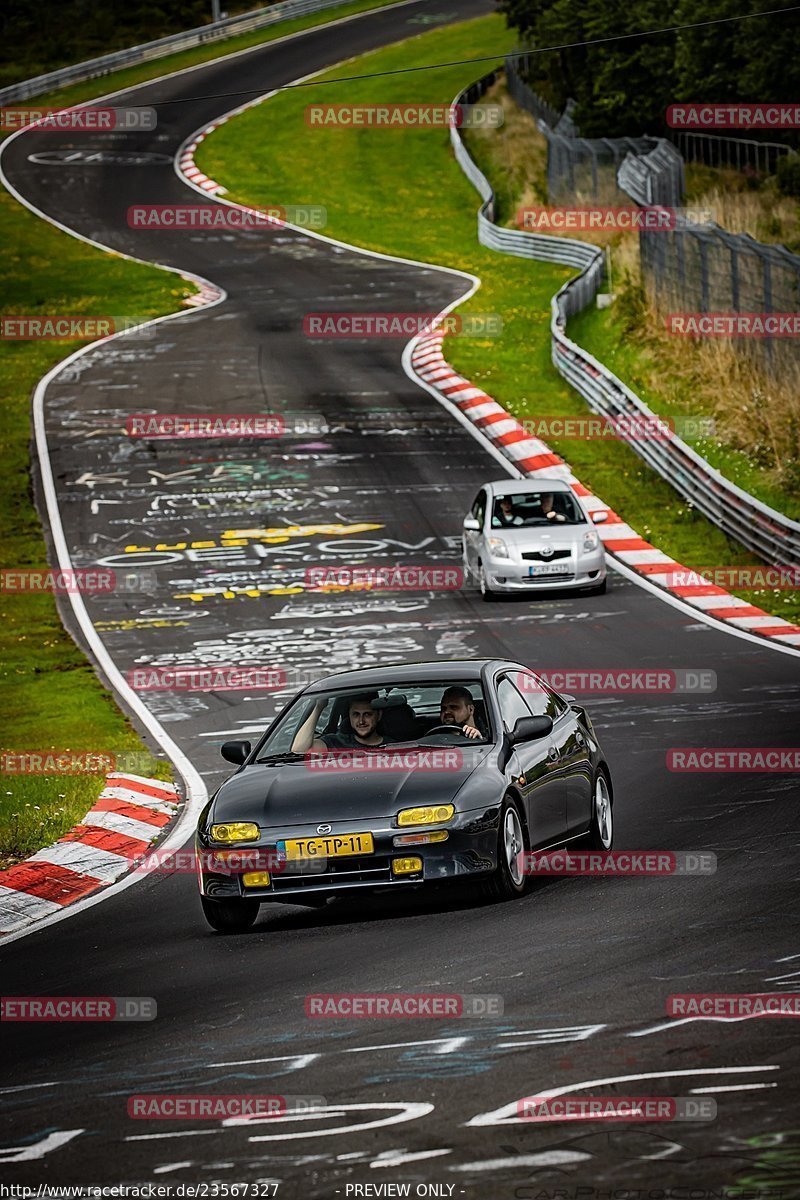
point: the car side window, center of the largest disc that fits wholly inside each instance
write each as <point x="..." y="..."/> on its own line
<point x="512" y="705"/>
<point x="479" y="507"/>
<point x="541" y="701"/>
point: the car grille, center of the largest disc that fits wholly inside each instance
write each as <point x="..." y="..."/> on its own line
<point x="358" y="869"/>
<point x="537" y="556"/>
<point x="538" y="580"/>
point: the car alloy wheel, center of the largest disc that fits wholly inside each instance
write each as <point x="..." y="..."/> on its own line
<point x="601" y="833"/>
<point x="509" y="880"/>
<point x="230" y="916"/>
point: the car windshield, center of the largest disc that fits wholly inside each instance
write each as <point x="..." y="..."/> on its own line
<point x="441" y="712"/>
<point x="529" y="509"/>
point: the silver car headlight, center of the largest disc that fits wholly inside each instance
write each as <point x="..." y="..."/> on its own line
<point x="590" y="540"/>
<point x="498" y="548"/>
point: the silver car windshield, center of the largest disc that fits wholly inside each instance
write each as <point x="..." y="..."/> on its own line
<point x="531" y="509"/>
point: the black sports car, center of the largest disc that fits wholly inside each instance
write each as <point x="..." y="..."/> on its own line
<point x="393" y="777"/>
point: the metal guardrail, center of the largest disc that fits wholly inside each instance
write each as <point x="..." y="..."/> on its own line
<point x="768" y="533"/>
<point x="93" y="68"/>
<point x="654" y="178"/>
<point x="738" y="153"/>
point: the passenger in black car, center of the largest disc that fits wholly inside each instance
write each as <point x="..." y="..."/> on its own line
<point x="364" y="728"/>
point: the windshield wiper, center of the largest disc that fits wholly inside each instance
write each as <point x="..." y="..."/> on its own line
<point x="273" y="760"/>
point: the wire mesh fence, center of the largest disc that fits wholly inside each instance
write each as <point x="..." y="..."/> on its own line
<point x="742" y="154"/>
<point x="578" y="169"/>
<point x="692" y="268"/>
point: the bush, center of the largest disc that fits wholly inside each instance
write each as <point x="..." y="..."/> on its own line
<point x="788" y="174"/>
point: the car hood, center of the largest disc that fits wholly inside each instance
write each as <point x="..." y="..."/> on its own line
<point x="294" y="793"/>
<point x="559" y="537"/>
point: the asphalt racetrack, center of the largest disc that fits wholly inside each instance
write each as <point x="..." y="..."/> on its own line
<point x="584" y="966"/>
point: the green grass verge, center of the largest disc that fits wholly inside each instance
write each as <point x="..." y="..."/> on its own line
<point x="51" y="698"/>
<point x="402" y="192"/>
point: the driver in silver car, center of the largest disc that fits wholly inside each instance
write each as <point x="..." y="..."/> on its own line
<point x="458" y="708"/>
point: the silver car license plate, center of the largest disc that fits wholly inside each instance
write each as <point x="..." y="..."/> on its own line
<point x="550" y="569"/>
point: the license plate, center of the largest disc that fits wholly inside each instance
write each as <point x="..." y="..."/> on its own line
<point x="334" y="846"/>
<point x="550" y="569"/>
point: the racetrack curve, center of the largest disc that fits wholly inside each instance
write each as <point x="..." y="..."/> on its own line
<point x="584" y="966"/>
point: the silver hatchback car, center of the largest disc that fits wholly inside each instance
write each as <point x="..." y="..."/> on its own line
<point x="523" y="535"/>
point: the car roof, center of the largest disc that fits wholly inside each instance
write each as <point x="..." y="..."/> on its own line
<point x="512" y="487"/>
<point x="458" y="669"/>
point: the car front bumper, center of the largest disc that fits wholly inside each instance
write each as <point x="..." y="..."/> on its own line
<point x="506" y="575"/>
<point x="470" y="849"/>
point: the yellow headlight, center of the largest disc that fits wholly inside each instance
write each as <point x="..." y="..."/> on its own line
<point x="259" y="879"/>
<point x="406" y="866"/>
<point x="431" y="815"/>
<point x="235" y="831"/>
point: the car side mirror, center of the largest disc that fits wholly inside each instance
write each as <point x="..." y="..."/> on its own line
<point x="235" y="752"/>
<point x="527" y="729"/>
<point x="599" y="516"/>
<point x="472" y="523"/>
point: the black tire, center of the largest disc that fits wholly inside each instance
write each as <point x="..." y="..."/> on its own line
<point x="486" y="592"/>
<point x="502" y="883"/>
<point x="230" y="916"/>
<point x="601" y="830"/>
<point x="600" y="590"/>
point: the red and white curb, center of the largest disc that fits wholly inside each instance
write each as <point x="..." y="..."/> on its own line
<point x="533" y="457"/>
<point x="189" y="168"/>
<point x="130" y="813"/>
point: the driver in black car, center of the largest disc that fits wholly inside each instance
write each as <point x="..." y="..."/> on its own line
<point x="458" y="708"/>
